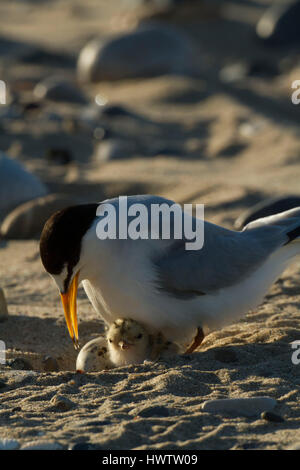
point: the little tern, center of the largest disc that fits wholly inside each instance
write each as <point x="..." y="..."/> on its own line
<point x="157" y="282"/>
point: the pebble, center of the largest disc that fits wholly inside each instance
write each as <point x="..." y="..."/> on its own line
<point x="265" y="208"/>
<point x="42" y="445"/>
<point x="17" y="185"/>
<point x="273" y="417"/>
<point x="3" y="306"/>
<point x="240" y="406"/>
<point x="50" y="364"/>
<point x="57" y="89"/>
<point x="151" y="50"/>
<point x="27" y="220"/>
<point x="20" y="364"/>
<point x="61" y="403"/>
<point x="153" y="411"/>
<point x="9" y="444"/>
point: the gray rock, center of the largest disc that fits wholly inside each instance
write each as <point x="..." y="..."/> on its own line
<point x="149" y="51"/>
<point x="17" y="185"/>
<point x="3" y="307"/>
<point x="59" y="89"/>
<point x="240" y="406"/>
<point x="9" y="444"/>
<point x="28" y="220"/>
<point x="42" y="445"/>
<point x="50" y="364"/>
<point x="20" y="364"/>
<point x="60" y="403"/>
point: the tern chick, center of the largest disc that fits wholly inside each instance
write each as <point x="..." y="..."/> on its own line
<point x="129" y="342"/>
<point x="126" y="342"/>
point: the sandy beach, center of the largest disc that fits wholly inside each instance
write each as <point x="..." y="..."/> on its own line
<point x="193" y="139"/>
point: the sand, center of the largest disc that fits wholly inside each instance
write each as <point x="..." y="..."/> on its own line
<point x="218" y="163"/>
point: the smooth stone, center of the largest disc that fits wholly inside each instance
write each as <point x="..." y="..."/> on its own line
<point x="27" y="220"/>
<point x="273" y="417"/>
<point x="240" y="406"/>
<point x="61" y="403"/>
<point x="9" y="444"/>
<point x="57" y="89"/>
<point x="153" y="411"/>
<point x="3" y="306"/>
<point x="17" y="185"/>
<point x="42" y="445"/>
<point x="149" y="51"/>
<point x="50" y="364"/>
<point x="267" y="207"/>
<point x="279" y="25"/>
<point x="20" y="364"/>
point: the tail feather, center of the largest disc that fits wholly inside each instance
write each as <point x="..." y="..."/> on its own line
<point x="287" y="222"/>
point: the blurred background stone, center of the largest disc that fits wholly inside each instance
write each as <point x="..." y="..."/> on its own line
<point x="27" y="220"/>
<point x="17" y="185"/>
<point x="149" y="51"/>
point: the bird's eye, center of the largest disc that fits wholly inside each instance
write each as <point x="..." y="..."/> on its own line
<point x="110" y="340"/>
<point x="139" y="336"/>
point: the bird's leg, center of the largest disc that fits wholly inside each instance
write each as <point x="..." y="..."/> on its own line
<point x="157" y="345"/>
<point x="197" y="341"/>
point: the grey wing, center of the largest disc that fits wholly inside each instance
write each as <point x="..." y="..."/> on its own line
<point x="225" y="259"/>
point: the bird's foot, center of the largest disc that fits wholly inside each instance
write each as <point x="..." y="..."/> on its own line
<point x="157" y="345"/>
<point x="197" y="341"/>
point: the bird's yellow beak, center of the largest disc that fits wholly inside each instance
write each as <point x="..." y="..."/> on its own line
<point x="69" y="301"/>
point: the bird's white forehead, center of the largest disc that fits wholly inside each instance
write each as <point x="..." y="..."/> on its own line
<point x="59" y="279"/>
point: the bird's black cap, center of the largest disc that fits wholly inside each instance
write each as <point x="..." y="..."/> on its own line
<point x="60" y="243"/>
